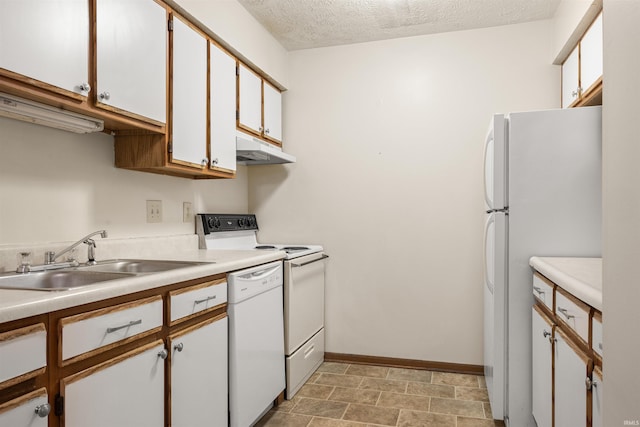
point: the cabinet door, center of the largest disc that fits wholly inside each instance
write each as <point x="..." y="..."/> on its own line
<point x="47" y="41"/>
<point x="223" y="109"/>
<point x="189" y="133"/>
<point x="272" y="113"/>
<point x="571" y="371"/>
<point x="127" y="391"/>
<point x="597" y="390"/>
<point x="30" y="410"/>
<point x="250" y="102"/>
<point x="570" y="82"/>
<point x="131" y="51"/>
<point x="199" y="375"/>
<point x="591" y="55"/>
<point x="542" y="329"/>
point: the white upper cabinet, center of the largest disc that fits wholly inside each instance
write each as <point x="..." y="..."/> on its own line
<point x="131" y="55"/>
<point x="272" y="113"/>
<point x="223" y="109"/>
<point x="570" y="79"/>
<point x="189" y="134"/>
<point x="250" y="103"/>
<point x="47" y="41"/>
<point x="591" y="55"/>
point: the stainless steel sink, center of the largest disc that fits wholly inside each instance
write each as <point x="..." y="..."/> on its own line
<point x="138" y="266"/>
<point x="57" y="280"/>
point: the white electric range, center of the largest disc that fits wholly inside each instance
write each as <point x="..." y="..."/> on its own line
<point x="304" y="276"/>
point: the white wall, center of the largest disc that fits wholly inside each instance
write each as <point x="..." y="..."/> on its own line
<point x="621" y="212"/>
<point x="389" y="139"/>
<point x="59" y="186"/>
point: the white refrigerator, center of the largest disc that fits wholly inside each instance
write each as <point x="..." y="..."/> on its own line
<point x="543" y="197"/>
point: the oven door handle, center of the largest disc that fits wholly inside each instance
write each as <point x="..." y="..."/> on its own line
<point x="324" y="256"/>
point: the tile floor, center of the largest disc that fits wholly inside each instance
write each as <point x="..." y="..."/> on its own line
<point x="350" y="395"/>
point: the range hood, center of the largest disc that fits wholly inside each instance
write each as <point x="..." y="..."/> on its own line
<point x="46" y="115"/>
<point x="252" y="151"/>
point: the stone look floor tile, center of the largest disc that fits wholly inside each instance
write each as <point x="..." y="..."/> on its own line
<point x="409" y="375"/>
<point x="482" y="381"/>
<point x="487" y="411"/>
<point x="404" y="401"/>
<point x="384" y="385"/>
<point x="312" y="379"/>
<point x="464" y="380"/>
<point x="355" y="395"/>
<point x="467" y="393"/>
<point x="367" y="371"/>
<point x="474" y="422"/>
<point x="333" y="367"/>
<point x="425" y="419"/>
<point x="321" y="408"/>
<point x="287" y="405"/>
<point x="317" y="391"/>
<point x="339" y="380"/>
<point x="283" y="419"/>
<point x="435" y="390"/>
<point x="372" y="414"/>
<point x="326" y="422"/>
<point x="455" y="407"/>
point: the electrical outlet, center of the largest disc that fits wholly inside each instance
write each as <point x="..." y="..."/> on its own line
<point x="154" y="210"/>
<point x="187" y="213"/>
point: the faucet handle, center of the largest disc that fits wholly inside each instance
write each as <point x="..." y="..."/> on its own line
<point x="49" y="257"/>
<point x="24" y="265"/>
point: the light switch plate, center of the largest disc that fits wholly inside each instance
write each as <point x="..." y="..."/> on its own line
<point x="154" y="210"/>
<point x="187" y="212"/>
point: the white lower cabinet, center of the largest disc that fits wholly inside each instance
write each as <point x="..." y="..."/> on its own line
<point x="570" y="373"/>
<point x="542" y="362"/>
<point x="127" y="391"/>
<point x="30" y="410"/>
<point x="199" y="374"/>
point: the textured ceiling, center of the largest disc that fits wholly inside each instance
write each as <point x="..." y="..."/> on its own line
<point x="305" y="24"/>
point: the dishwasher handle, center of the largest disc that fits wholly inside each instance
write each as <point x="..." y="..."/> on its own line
<point x="324" y="256"/>
<point x="256" y="275"/>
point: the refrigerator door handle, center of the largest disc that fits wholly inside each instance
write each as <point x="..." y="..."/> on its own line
<point x="491" y="220"/>
<point x="489" y="142"/>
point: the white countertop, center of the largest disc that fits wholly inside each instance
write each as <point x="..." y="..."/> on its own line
<point x="18" y="304"/>
<point x="582" y="277"/>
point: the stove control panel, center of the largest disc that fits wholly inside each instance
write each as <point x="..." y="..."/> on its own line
<point x="212" y="223"/>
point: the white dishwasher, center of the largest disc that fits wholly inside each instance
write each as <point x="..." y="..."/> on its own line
<point x="256" y="342"/>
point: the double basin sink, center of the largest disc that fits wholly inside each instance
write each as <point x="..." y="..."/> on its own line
<point x="75" y="277"/>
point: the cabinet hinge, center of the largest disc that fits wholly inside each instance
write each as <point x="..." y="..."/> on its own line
<point x="58" y="405"/>
<point x="237" y="70"/>
<point x="237" y="115"/>
<point x="170" y="25"/>
<point x="170" y="147"/>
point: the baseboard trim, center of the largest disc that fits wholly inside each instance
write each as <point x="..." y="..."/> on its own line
<point x="393" y="362"/>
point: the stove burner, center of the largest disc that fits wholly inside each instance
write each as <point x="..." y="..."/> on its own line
<point x="295" y="248"/>
<point x="265" y="247"/>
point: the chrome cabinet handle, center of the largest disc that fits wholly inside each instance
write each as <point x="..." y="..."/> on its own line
<point x="85" y="87"/>
<point x="260" y="128"/>
<point x="204" y="162"/>
<point x="266" y="130"/>
<point x="600" y="346"/>
<point x="178" y="347"/>
<point x="104" y="96"/>
<point x="200" y="301"/>
<point x="324" y="256"/>
<point x="162" y="354"/>
<point x="43" y="410"/>
<point x="566" y="313"/>
<point x="538" y="290"/>
<point x="546" y="333"/>
<point x="117" y="328"/>
<point x="214" y="161"/>
<point x="589" y="383"/>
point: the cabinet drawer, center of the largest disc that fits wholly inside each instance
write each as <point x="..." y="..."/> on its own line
<point x="543" y="290"/>
<point x="198" y="298"/>
<point x="574" y="313"/>
<point x="23" y="353"/>
<point x="596" y="333"/>
<point x="98" y="329"/>
<point x="304" y="362"/>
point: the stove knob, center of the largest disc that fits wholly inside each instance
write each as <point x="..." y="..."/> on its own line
<point x="217" y="223"/>
<point x="241" y="222"/>
<point x="211" y="223"/>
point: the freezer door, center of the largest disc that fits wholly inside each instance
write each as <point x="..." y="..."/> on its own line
<point x="495" y="165"/>
<point x="495" y="243"/>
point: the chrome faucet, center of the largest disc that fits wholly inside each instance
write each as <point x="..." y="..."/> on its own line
<point x="50" y="256"/>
